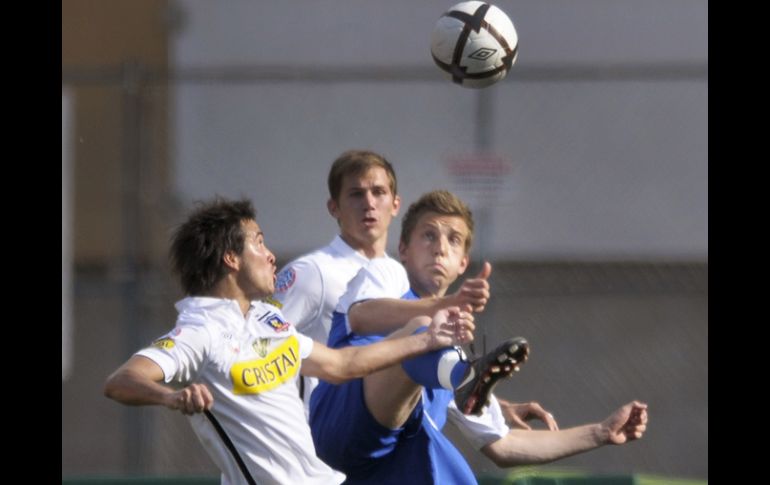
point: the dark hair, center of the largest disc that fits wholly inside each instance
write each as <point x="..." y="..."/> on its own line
<point x="199" y="244"/>
<point x="356" y="162"/>
<point x="441" y="202"/>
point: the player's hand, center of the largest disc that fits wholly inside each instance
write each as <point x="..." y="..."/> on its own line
<point x="626" y="424"/>
<point x="516" y="414"/>
<point x="473" y="294"/>
<point x="451" y="326"/>
<point x="194" y="398"/>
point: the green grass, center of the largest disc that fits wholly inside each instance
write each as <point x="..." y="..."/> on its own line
<point x="534" y="476"/>
<point x="522" y="476"/>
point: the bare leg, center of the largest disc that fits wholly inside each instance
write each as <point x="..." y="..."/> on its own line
<point x="390" y="394"/>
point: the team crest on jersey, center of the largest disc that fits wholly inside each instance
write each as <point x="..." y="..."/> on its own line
<point x="285" y="279"/>
<point x="164" y="343"/>
<point x="260" y="346"/>
<point x="275" y="322"/>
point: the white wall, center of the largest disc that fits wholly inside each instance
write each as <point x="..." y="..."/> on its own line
<point x="602" y="169"/>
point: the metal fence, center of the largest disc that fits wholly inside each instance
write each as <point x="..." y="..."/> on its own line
<point x="601" y="335"/>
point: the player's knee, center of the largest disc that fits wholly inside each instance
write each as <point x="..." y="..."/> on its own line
<point x="417" y="323"/>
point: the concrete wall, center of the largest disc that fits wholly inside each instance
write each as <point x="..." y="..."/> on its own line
<point x="603" y="120"/>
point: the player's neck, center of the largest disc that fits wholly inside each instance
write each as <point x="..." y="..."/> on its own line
<point x="424" y="291"/>
<point x="372" y="250"/>
<point x="229" y="290"/>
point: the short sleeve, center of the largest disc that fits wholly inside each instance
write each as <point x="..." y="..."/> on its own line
<point x="305" y="345"/>
<point x="380" y="278"/>
<point x="180" y="353"/>
<point x="480" y="430"/>
<point x="299" y="290"/>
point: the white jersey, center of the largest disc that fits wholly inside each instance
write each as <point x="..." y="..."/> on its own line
<point x="310" y="286"/>
<point x="479" y="430"/>
<point x="251" y="365"/>
<point x="310" y="289"/>
<point x="378" y="278"/>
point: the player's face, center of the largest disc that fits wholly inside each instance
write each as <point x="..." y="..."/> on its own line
<point x="365" y="209"/>
<point x="435" y="255"/>
<point x="256" y="274"/>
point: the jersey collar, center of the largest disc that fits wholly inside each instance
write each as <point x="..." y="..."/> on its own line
<point x="340" y="246"/>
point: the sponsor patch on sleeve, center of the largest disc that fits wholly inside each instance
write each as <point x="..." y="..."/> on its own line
<point x="164" y="343"/>
<point x="285" y="280"/>
<point x="272" y="301"/>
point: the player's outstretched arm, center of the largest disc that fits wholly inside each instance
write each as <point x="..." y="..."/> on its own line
<point x="447" y="327"/>
<point x="138" y="383"/>
<point x="528" y="447"/>
<point x="386" y="315"/>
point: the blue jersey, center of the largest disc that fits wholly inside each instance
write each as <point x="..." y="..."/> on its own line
<point x="349" y="439"/>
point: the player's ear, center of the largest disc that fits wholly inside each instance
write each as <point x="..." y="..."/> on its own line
<point x="402" y="251"/>
<point x="232" y="260"/>
<point x="396" y="205"/>
<point x="464" y="264"/>
<point x="331" y="206"/>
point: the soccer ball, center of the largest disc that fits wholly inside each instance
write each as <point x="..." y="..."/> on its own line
<point x="475" y="44"/>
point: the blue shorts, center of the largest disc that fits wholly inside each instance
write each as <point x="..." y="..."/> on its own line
<point x="349" y="439"/>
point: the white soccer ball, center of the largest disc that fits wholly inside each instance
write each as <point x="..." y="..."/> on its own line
<point x="475" y="44"/>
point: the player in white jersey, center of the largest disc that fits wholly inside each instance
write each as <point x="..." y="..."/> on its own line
<point x="232" y="361"/>
<point x="363" y="198"/>
<point x="311" y="287"/>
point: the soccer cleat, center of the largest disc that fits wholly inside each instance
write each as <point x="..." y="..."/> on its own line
<point x="485" y="372"/>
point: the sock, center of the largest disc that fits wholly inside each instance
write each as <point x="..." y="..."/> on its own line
<point x="443" y="368"/>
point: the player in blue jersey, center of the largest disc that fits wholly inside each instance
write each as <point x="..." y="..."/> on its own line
<point x="363" y="199"/>
<point x="386" y="427"/>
